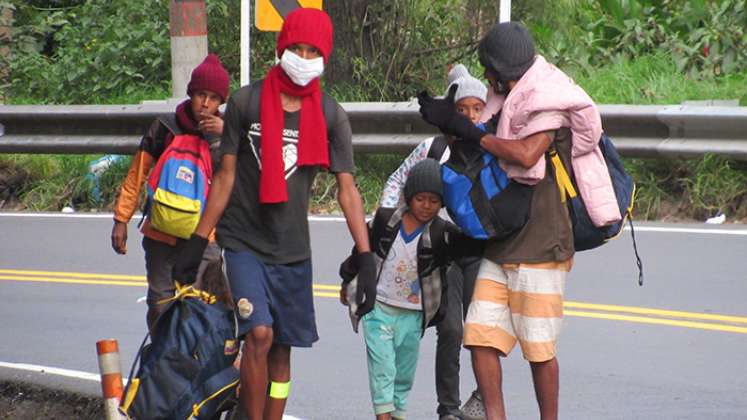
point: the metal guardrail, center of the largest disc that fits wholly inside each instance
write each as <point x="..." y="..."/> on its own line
<point x="678" y="131"/>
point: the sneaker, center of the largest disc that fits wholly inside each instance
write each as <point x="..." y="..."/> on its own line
<point x="449" y="417"/>
<point x="473" y="409"/>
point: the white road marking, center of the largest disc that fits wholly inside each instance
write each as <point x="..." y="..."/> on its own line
<point x="689" y="230"/>
<point x="75" y="374"/>
<point x="54" y="371"/>
<point x="136" y="217"/>
<point x="661" y="229"/>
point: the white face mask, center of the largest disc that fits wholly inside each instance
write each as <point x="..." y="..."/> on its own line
<point x="302" y="71"/>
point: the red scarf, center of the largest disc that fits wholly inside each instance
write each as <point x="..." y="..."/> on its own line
<point x="312" y="132"/>
<point x="187" y="122"/>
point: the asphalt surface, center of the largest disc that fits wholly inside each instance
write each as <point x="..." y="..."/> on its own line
<point x="672" y="349"/>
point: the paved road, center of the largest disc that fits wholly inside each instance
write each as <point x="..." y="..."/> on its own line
<point x="673" y="349"/>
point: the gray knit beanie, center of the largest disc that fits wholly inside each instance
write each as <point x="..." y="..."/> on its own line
<point x="507" y="50"/>
<point x="468" y="85"/>
<point x="425" y="176"/>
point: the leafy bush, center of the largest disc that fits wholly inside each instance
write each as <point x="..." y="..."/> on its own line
<point x="653" y="80"/>
<point x="705" y="38"/>
<point x="51" y="182"/>
<point x="390" y="50"/>
<point x="84" y="52"/>
<point x="691" y="189"/>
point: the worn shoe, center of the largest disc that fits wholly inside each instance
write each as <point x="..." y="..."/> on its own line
<point x="473" y="409"/>
<point x="449" y="417"/>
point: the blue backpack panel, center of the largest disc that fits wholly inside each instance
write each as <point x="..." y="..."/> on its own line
<point x="479" y="196"/>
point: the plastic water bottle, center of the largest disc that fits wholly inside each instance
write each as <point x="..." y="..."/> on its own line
<point x="95" y="169"/>
<point x="100" y="165"/>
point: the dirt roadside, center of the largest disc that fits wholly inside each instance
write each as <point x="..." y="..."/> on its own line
<point x="24" y="401"/>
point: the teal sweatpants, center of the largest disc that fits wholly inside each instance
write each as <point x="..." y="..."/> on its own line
<point x="392" y="343"/>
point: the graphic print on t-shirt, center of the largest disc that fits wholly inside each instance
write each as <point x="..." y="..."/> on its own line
<point x="290" y="147"/>
<point x="398" y="283"/>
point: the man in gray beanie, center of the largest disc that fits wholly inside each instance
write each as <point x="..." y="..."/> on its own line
<point x="506" y="52"/>
<point x="536" y="259"/>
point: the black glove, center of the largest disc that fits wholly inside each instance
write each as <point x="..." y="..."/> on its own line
<point x="188" y="260"/>
<point x="443" y="114"/>
<point x="365" y="294"/>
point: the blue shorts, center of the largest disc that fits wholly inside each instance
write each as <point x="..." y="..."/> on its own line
<point x="282" y="296"/>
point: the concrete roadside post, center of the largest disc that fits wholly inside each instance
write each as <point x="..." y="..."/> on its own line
<point x="189" y="43"/>
<point x="111" y="377"/>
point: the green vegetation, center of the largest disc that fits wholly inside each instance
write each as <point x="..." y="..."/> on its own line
<point x="620" y="51"/>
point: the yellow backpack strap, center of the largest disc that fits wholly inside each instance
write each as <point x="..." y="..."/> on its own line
<point x="565" y="186"/>
<point x="183" y="291"/>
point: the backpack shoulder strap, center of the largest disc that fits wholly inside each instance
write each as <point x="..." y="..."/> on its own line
<point x="329" y="108"/>
<point x="438" y="147"/>
<point x="562" y="178"/>
<point x="382" y="237"/>
<point x="254" y="100"/>
<point x="169" y="122"/>
<point x="438" y="235"/>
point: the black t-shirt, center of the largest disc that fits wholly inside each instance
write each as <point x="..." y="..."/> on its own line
<point x="276" y="233"/>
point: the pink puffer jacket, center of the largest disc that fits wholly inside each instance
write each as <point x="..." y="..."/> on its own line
<point x="546" y="99"/>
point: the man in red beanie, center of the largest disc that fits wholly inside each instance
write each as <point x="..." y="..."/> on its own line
<point x="280" y="132"/>
<point x="198" y="115"/>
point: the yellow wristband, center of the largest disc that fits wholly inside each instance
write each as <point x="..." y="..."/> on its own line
<point x="279" y="390"/>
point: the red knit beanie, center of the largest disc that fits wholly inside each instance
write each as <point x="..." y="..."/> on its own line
<point x="209" y="75"/>
<point x="307" y="26"/>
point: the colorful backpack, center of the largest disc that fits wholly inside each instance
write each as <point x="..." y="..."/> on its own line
<point x="478" y="195"/>
<point x="178" y="186"/>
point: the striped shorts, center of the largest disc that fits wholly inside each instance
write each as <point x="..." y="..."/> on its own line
<point x="521" y="302"/>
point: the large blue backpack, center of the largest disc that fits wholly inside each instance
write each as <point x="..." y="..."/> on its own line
<point x="186" y="371"/>
<point x="585" y="235"/>
<point x="478" y="195"/>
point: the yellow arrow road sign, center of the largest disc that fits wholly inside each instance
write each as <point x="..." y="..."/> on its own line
<point x="269" y="14"/>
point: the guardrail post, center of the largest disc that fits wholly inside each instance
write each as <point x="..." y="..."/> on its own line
<point x="111" y="377"/>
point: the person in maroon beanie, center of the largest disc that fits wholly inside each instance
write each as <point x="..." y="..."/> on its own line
<point x="280" y="132"/>
<point x="198" y="115"/>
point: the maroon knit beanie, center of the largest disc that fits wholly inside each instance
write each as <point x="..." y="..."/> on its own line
<point x="209" y="75"/>
<point x="307" y="26"/>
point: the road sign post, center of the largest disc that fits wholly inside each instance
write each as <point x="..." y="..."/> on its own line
<point x="246" y="45"/>
<point x="504" y="10"/>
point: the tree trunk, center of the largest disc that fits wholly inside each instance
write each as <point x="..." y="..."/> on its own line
<point x="347" y="16"/>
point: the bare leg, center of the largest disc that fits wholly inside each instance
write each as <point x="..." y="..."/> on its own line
<point x="384" y="416"/>
<point x="279" y="371"/>
<point x="257" y="344"/>
<point x="489" y="375"/>
<point x="546" y="387"/>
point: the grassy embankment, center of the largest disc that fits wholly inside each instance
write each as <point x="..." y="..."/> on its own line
<point x="667" y="189"/>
